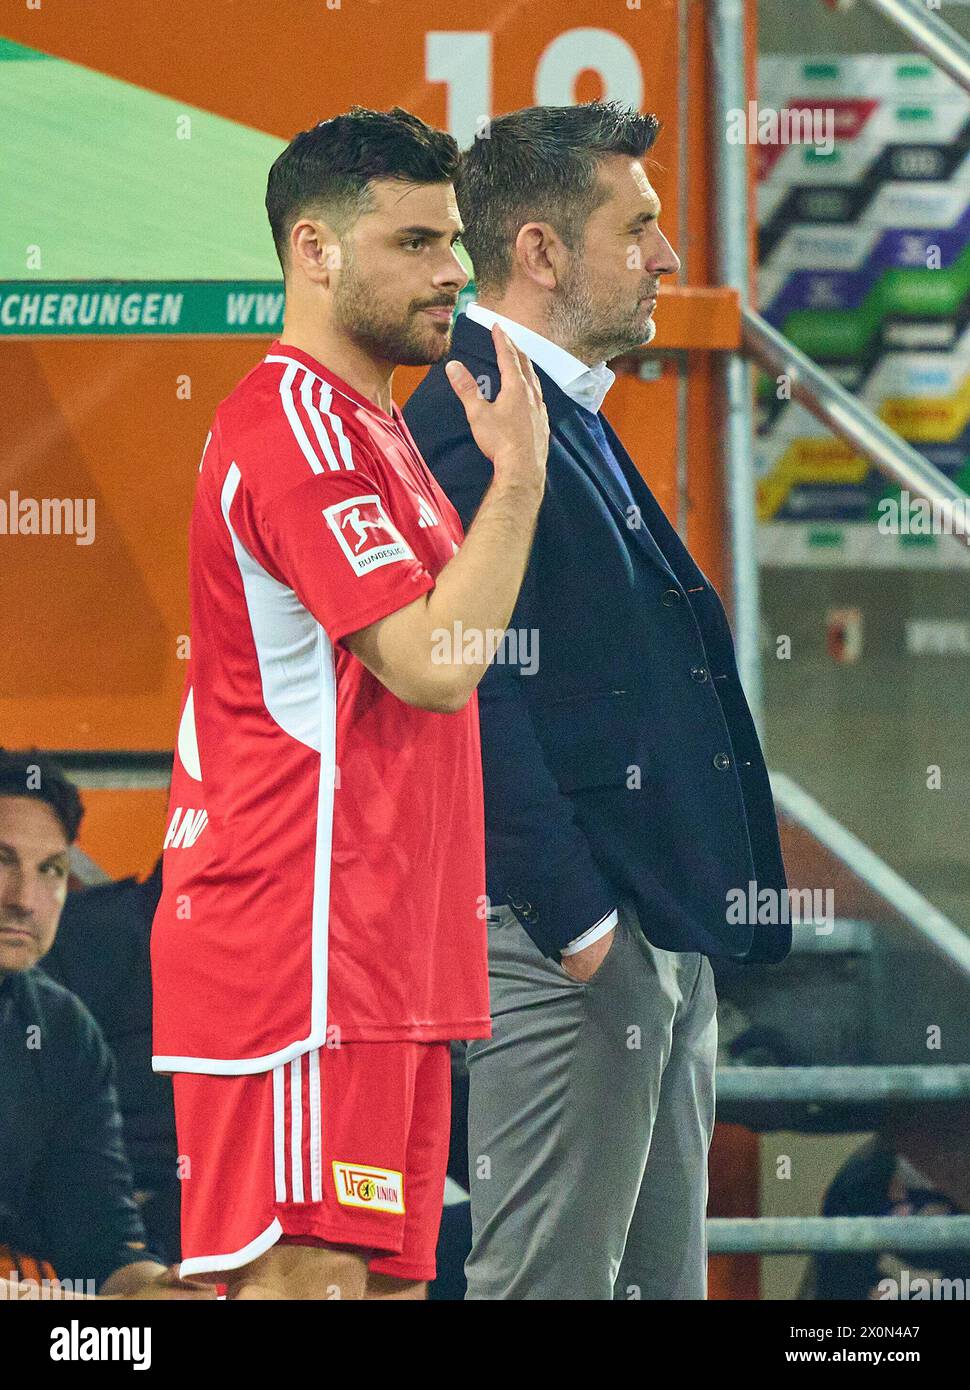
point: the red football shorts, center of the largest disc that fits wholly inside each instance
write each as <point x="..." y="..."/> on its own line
<point x="346" y="1145"/>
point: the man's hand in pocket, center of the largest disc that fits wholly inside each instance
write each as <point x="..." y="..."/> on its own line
<point x="584" y="964"/>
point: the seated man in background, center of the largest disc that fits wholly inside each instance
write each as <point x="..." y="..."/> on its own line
<point x="66" y="1204"/>
<point x="878" y="1181"/>
<point x="101" y="954"/>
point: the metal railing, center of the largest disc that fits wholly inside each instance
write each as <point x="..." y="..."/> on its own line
<point x="109" y="769"/>
<point x="844" y="1085"/>
<point x="812" y="1235"/>
<point x="918" y="912"/>
<point x="848" y="417"/>
<point x="931" y="34"/>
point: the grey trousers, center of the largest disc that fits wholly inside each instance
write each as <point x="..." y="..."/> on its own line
<point x="591" y="1110"/>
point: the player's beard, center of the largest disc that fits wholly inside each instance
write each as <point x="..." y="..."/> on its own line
<point x="408" y="340"/>
<point x="593" y="329"/>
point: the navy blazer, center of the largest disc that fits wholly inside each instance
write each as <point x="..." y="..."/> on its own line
<point x="628" y="764"/>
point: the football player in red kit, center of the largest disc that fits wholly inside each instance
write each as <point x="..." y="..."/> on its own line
<point x="321" y="933"/>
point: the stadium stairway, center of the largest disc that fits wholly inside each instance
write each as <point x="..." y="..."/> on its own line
<point x="864" y="1027"/>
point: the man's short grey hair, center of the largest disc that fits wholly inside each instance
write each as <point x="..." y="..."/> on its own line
<point x="540" y="165"/>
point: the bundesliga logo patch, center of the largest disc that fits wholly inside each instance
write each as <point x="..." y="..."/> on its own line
<point x="378" y="1189"/>
<point x="366" y="534"/>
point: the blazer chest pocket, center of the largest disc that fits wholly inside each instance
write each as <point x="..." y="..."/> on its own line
<point x="589" y="739"/>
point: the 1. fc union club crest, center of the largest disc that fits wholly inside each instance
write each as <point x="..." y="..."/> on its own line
<point x="359" y="1185"/>
<point x="366" y="533"/>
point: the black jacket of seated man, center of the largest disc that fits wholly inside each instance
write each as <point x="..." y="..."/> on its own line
<point x="65" y="1184"/>
<point x="101" y="954"/>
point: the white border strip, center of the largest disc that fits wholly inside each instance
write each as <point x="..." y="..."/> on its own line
<point x="279" y="1148"/>
<point x="296" y="1128"/>
<point x="212" y="1264"/>
<point x="316" y="1175"/>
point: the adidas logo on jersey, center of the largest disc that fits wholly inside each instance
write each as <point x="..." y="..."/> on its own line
<point x="378" y="1189"/>
<point x="426" y="516"/>
<point x="185" y="828"/>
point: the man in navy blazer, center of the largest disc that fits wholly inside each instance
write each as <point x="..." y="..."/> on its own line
<point x="628" y="808"/>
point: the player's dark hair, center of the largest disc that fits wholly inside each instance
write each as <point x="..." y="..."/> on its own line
<point x="540" y="165"/>
<point x="34" y="774"/>
<point x="328" y="170"/>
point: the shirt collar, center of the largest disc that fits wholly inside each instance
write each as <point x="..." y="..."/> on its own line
<point x="586" y="386"/>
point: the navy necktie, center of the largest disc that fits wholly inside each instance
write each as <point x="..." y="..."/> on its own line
<point x="595" y="426"/>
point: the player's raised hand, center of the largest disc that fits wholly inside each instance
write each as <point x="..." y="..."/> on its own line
<point x="512" y="430"/>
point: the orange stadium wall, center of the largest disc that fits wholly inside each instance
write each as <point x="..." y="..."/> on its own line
<point x="95" y="636"/>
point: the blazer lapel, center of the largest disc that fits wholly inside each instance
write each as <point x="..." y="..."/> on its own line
<point x="676" y="555"/>
<point x="573" y="433"/>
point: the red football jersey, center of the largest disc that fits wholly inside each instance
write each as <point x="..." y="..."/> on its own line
<point x="324" y="863"/>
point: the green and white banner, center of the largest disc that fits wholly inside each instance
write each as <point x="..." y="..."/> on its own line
<point x="96" y="308"/>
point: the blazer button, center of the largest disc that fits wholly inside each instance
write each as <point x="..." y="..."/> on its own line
<point x="524" y="907"/>
<point x="669" y="597"/>
<point x="721" y="761"/>
<point x="698" y="673"/>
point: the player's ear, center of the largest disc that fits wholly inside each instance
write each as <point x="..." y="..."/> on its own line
<point x="315" y="250"/>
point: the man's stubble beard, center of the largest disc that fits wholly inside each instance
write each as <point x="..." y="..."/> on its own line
<point x="591" y="333"/>
<point x="364" y="319"/>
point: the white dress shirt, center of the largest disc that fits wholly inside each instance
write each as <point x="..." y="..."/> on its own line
<point x="587" y="387"/>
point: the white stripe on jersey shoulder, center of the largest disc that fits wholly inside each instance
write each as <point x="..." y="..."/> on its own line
<point x="326" y="402"/>
<point x="319" y="415"/>
<point x="315" y="418"/>
<point x="359" y="405"/>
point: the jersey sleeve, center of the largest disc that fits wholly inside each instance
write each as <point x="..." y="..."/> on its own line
<point x="334" y="541"/>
